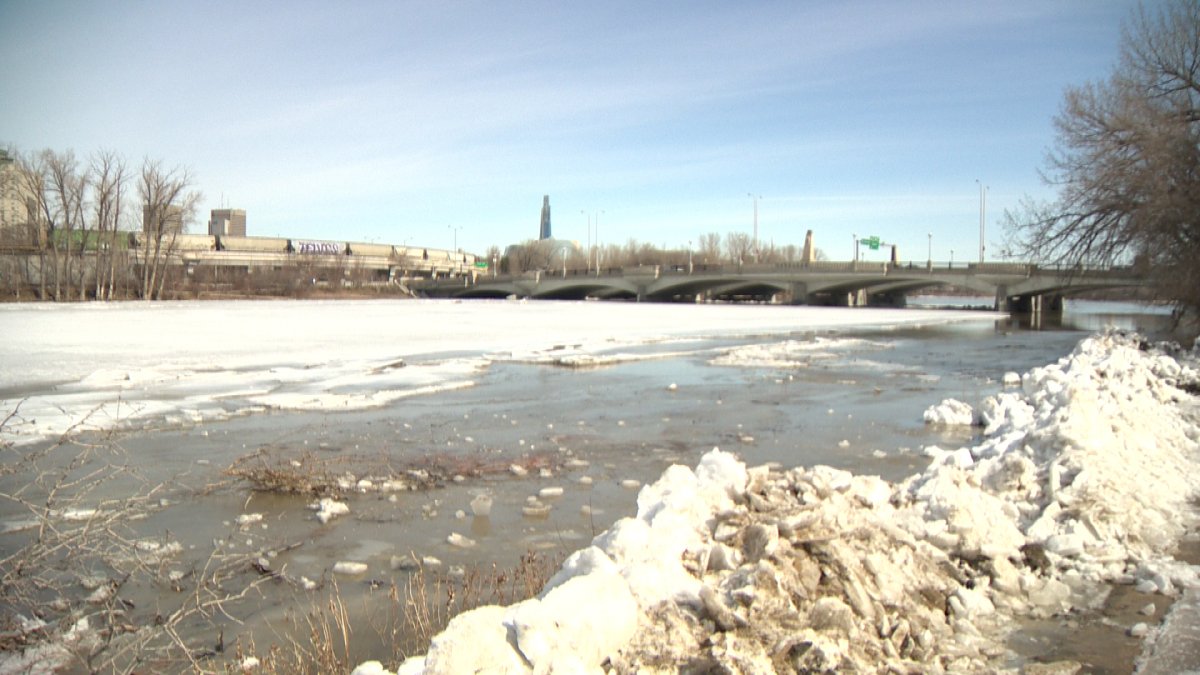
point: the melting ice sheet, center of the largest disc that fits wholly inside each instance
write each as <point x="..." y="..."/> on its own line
<point x="98" y="365"/>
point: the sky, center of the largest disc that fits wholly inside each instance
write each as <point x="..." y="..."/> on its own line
<point x="443" y="124"/>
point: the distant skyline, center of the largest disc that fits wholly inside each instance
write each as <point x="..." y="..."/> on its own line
<point x="431" y="123"/>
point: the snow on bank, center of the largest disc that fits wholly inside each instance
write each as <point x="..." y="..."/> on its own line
<point x="1085" y="475"/>
<point x="104" y="365"/>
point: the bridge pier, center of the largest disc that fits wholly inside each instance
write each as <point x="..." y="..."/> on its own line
<point x="854" y="298"/>
<point x="1047" y="303"/>
<point x="797" y="293"/>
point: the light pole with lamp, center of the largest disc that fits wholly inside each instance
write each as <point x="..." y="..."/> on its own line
<point x="855" y="244"/>
<point x="454" y="251"/>
<point x="596" y="244"/>
<point x="690" y="267"/>
<point x="929" y="255"/>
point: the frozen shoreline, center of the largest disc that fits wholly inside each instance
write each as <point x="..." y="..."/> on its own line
<point x="756" y="569"/>
<point x="98" y="366"/>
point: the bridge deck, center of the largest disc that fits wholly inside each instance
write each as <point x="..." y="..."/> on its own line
<point x="841" y="283"/>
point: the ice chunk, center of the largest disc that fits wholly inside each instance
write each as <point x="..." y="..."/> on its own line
<point x="554" y="636"/>
<point x="950" y="412"/>
<point x="481" y="505"/>
<point x="349" y="568"/>
<point x="327" y="509"/>
<point x="475" y="642"/>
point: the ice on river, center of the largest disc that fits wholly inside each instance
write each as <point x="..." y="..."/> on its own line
<point x="99" y="365"/>
<point x="1085" y="475"/>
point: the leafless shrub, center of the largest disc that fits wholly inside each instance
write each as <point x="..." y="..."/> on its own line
<point x="87" y="583"/>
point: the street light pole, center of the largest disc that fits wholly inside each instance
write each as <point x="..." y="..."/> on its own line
<point x="929" y="256"/>
<point x="598" y="241"/>
<point x="854" y="251"/>
<point x="454" y="252"/>
<point x="755" y="241"/>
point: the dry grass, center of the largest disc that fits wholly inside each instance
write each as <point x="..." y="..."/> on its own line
<point x="397" y="624"/>
<point x="432" y="600"/>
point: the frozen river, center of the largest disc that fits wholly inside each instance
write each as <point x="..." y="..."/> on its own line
<point x="606" y="395"/>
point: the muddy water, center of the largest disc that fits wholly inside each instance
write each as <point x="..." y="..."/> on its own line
<point x="609" y="430"/>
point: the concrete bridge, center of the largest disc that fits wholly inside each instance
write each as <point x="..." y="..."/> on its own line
<point x="1017" y="287"/>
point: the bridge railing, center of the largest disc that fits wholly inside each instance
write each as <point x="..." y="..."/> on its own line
<point x="963" y="268"/>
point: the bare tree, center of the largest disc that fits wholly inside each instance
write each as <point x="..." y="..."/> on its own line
<point x="69" y="236"/>
<point x="168" y="206"/>
<point x="1127" y="162"/>
<point x="531" y="255"/>
<point x="738" y="246"/>
<point x="492" y="257"/>
<point x="32" y="172"/>
<point x="709" y="246"/>
<point x="109" y="183"/>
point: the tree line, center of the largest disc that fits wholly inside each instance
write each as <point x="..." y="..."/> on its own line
<point x="734" y="248"/>
<point x="66" y="229"/>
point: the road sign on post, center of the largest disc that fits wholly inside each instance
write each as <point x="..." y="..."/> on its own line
<point x="873" y="243"/>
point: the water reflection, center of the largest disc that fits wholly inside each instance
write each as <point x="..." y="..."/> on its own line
<point x="1090" y="316"/>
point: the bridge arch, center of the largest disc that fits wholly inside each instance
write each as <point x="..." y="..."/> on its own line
<point x="1011" y="284"/>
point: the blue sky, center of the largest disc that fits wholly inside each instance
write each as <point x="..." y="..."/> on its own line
<point x="439" y="122"/>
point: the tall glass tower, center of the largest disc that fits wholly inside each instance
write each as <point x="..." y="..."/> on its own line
<point x="545" y="231"/>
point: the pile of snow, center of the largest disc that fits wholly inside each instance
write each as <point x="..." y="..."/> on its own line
<point x="951" y="412"/>
<point x="1085" y="476"/>
<point x="1090" y="466"/>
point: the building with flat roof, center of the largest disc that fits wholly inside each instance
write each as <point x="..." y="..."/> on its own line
<point x="227" y="222"/>
<point x="171" y="221"/>
<point x="12" y="206"/>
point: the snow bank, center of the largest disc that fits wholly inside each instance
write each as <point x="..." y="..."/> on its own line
<point x="1090" y="466"/>
<point x="1085" y="475"/>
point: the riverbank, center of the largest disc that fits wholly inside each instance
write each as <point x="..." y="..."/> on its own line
<point x="761" y="569"/>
